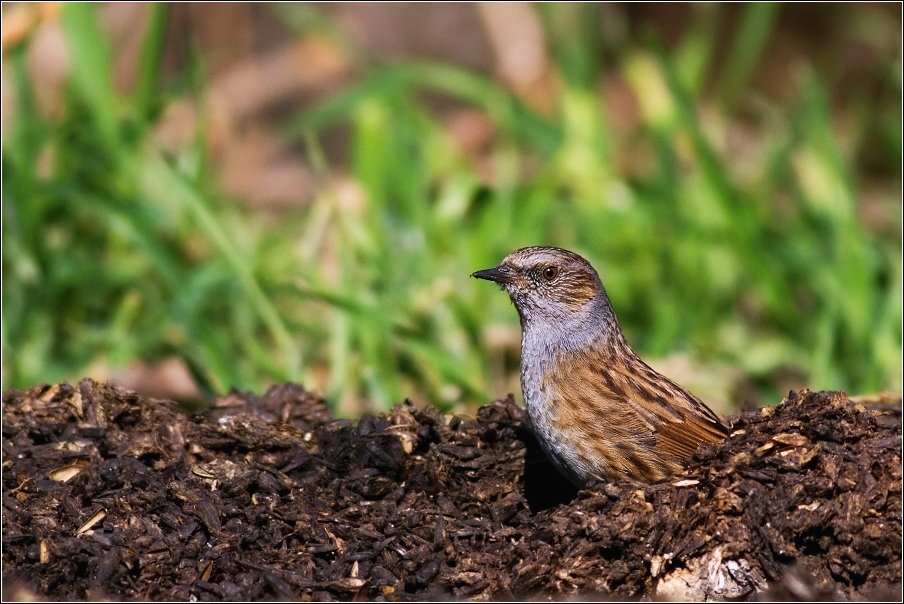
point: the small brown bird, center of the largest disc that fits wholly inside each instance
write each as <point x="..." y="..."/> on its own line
<point x="598" y="411"/>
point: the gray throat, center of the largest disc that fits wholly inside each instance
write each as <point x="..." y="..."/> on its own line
<point x="547" y="335"/>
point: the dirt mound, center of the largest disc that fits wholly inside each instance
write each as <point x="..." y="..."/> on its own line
<point x="108" y="495"/>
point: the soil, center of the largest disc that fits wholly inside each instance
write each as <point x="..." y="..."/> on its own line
<point x="108" y="495"/>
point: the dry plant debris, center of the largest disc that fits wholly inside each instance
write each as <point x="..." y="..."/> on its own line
<point x="108" y="495"/>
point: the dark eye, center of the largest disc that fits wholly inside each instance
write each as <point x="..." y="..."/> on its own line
<point x="550" y="272"/>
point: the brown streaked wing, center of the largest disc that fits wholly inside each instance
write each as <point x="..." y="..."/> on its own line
<point x="683" y="439"/>
<point x="694" y="425"/>
<point x="680" y="421"/>
<point x="586" y="405"/>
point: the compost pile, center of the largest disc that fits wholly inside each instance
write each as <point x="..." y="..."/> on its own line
<point x="108" y="495"/>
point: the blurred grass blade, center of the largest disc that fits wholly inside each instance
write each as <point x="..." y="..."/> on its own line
<point x="747" y="47"/>
<point x="694" y="56"/>
<point x="573" y="29"/>
<point x="92" y="67"/>
<point x="147" y="96"/>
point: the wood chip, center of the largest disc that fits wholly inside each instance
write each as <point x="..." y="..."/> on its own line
<point x="44" y="552"/>
<point x="795" y="440"/>
<point x="686" y="483"/>
<point x="65" y="474"/>
<point x="760" y="451"/>
<point x="91" y="522"/>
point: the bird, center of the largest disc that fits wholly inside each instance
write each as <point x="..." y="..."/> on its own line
<point x="598" y="411"/>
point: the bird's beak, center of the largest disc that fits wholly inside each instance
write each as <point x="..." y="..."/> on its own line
<point x="501" y="274"/>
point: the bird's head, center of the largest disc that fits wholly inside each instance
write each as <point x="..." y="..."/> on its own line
<point x="549" y="285"/>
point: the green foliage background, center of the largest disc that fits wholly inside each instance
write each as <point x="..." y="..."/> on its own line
<point x="114" y="252"/>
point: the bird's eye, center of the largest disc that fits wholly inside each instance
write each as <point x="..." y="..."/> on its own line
<point x="550" y="273"/>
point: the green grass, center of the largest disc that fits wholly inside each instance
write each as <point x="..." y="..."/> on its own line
<point x="113" y="252"/>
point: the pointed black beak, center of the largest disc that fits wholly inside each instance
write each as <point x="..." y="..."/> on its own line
<point x="500" y="274"/>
